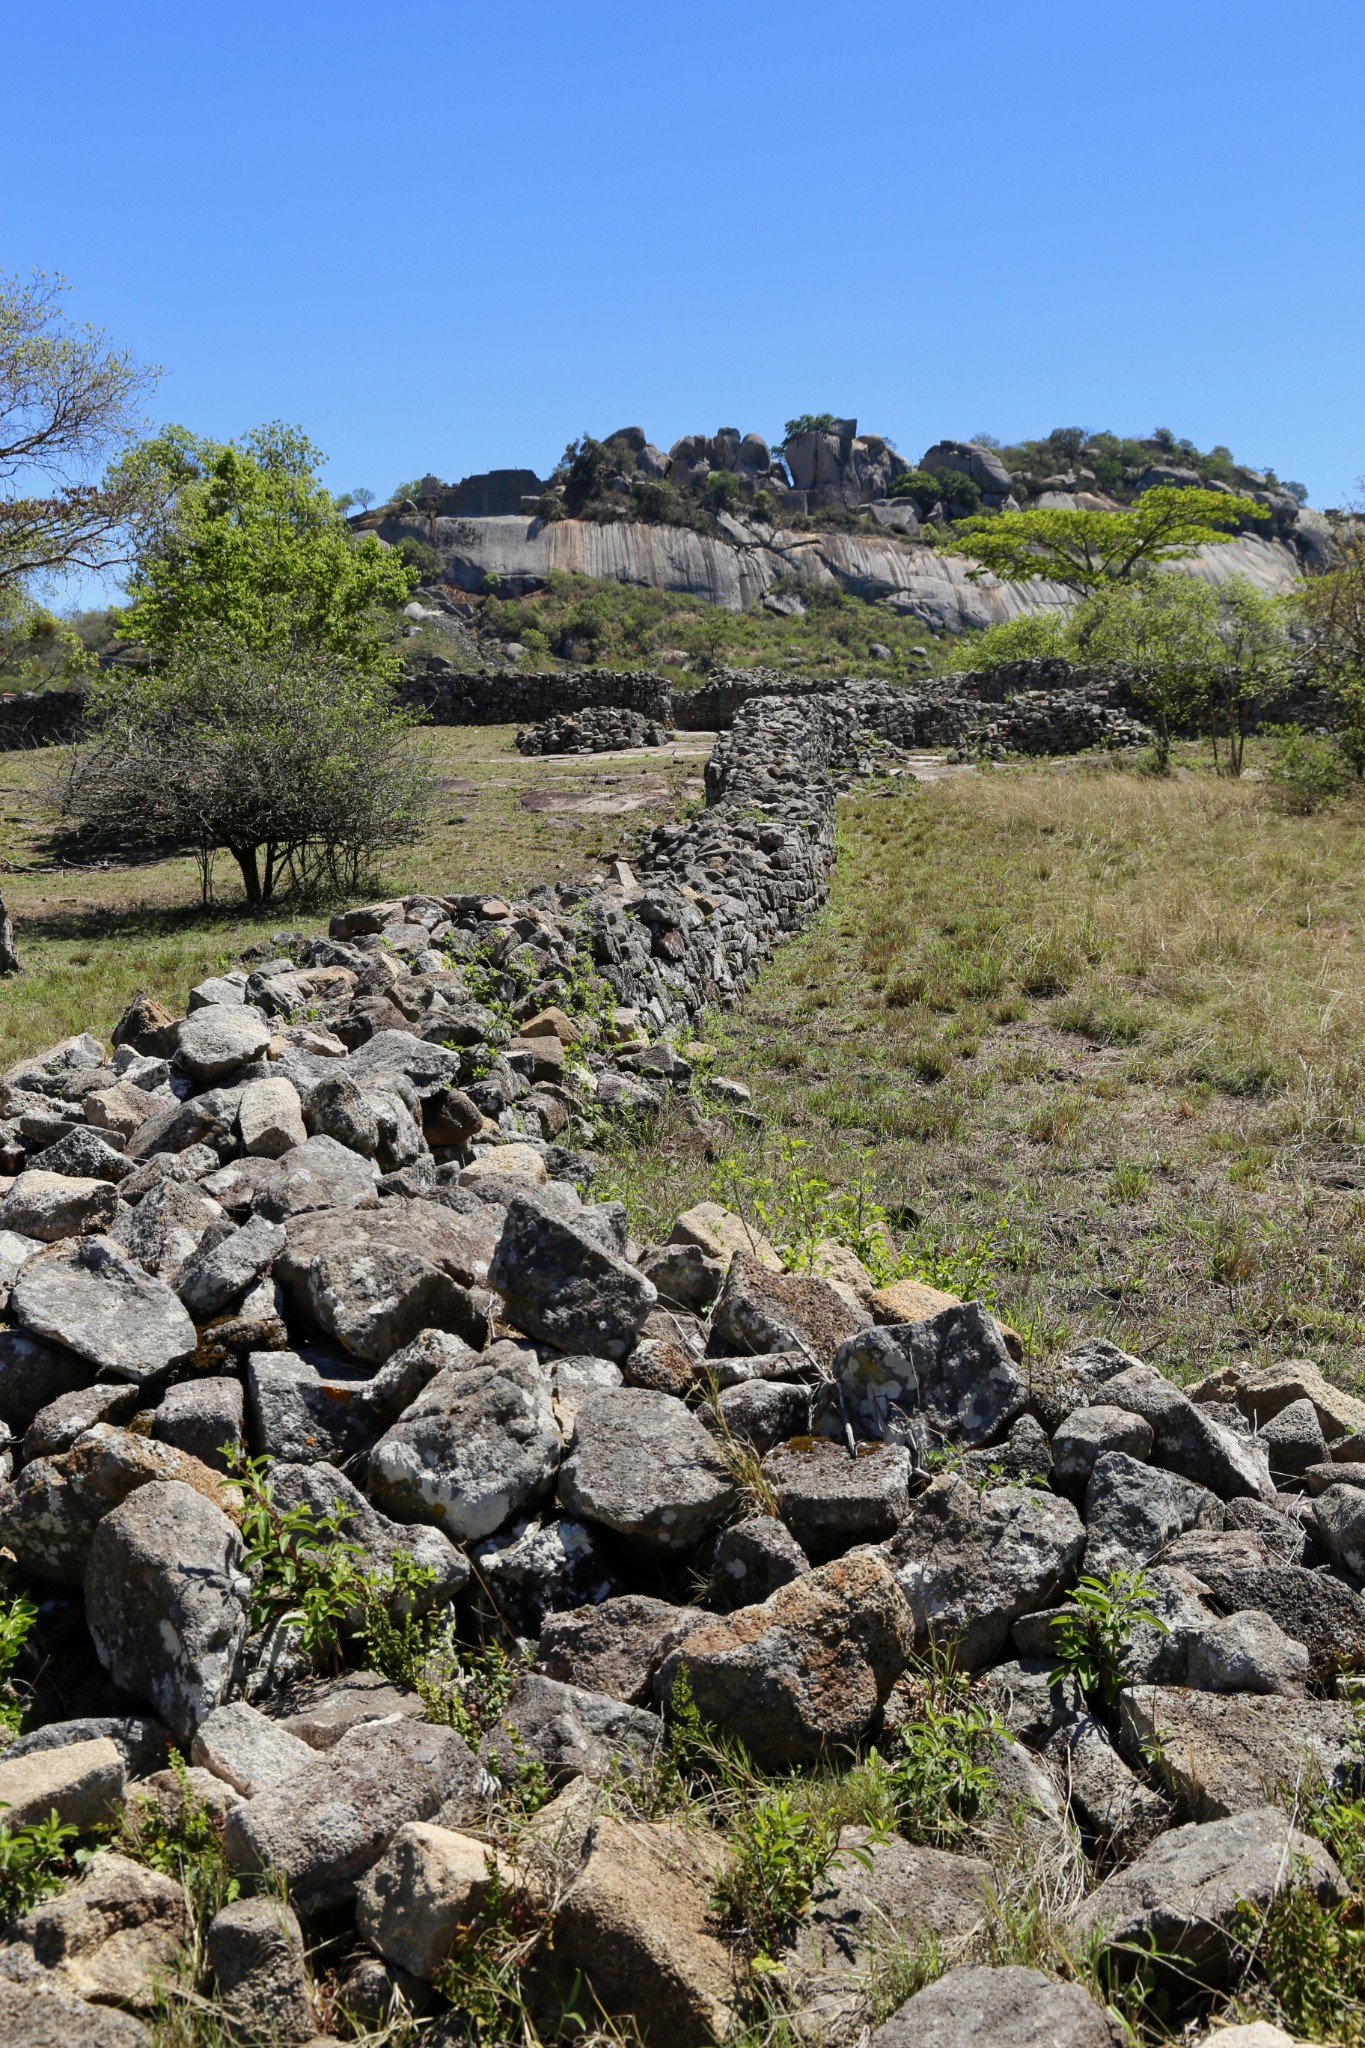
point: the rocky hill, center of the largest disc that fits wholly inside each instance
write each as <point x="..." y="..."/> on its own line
<point x="721" y="518"/>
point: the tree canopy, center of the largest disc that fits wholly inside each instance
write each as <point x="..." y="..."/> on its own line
<point x="68" y="401"/>
<point x="249" y="545"/>
<point x="1086" y="549"/>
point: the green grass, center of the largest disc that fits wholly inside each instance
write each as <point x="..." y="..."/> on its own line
<point x="1113" y="1026"/>
<point x="91" y="934"/>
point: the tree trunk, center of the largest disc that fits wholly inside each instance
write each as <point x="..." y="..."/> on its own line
<point x="245" y="857"/>
<point x="9" y="959"/>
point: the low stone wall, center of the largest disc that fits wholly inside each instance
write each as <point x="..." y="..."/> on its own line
<point x="44" y="718"/>
<point x="507" y="697"/>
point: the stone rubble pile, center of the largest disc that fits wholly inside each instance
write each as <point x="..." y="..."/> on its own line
<point x="599" y="729"/>
<point x="338" y="1216"/>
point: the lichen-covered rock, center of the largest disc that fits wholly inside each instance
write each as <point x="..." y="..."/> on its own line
<point x="255" y="1950"/>
<point x="948" y="1379"/>
<point x="538" y="1565"/>
<point x="328" y="1493"/>
<point x="969" y="1565"/>
<point x="90" y="1297"/>
<point x="168" y="1229"/>
<point x="113" y="1936"/>
<point x="247" y="1750"/>
<point x="1224" y="1753"/>
<point x="1133" y="1510"/>
<point x="214" y="1042"/>
<point x="49" y="1514"/>
<point x="429" y="1883"/>
<point x="164" y="1601"/>
<point x="616" y="1647"/>
<point x="474" y="1448"/>
<point x="752" y="1559"/>
<point x="562" y="1285"/>
<point x="830" y="1501"/>
<point x="81" y="1782"/>
<point x="802" y="1675"/>
<point x="762" y="1311"/>
<point x="50" y="1205"/>
<point x="214" y="1279"/>
<point x="1006" y="2005"/>
<point x="641" y="1464"/>
<point x="42" y="2014"/>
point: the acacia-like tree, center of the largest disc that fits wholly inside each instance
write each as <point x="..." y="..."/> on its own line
<point x="1084" y="550"/>
<point x="295" y="761"/>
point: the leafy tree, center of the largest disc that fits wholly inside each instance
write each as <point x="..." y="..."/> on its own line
<point x="1248" y="661"/>
<point x="363" y="496"/>
<point x="808" y="423"/>
<point x="295" y="760"/>
<point x="1331" y="611"/>
<point x="1156" y="633"/>
<point x="590" y="463"/>
<point x="1087" y="549"/>
<point x="919" y="485"/>
<point x="251" y="547"/>
<point x="68" y="399"/>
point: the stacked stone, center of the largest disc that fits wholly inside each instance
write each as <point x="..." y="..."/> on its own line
<point x="600" y="729"/>
<point x="511" y="697"/>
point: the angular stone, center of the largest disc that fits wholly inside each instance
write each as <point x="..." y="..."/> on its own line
<point x="203" y="1417"/>
<point x="911" y="1301"/>
<point x="970" y="1565"/>
<point x="830" y="1501"/>
<point x="121" y="1110"/>
<point x="538" y="1566"/>
<point x="376" y="1298"/>
<point x="38" y="2013"/>
<point x="34" y="1374"/>
<point x="322" y="1830"/>
<point x="1133" y="1511"/>
<point x="1186" y="1441"/>
<point x="214" y="1042"/>
<point x="637" y="1923"/>
<point x="327" y="1492"/>
<point x="719" y="1233"/>
<point x="50" y="1206"/>
<point x="319" y="1174"/>
<point x="169" y="1228"/>
<point x="514" y="1163"/>
<point x="90" y="1297"/>
<point x="322" y="1710"/>
<point x="1293" y="1440"/>
<point x="255" y="1950"/>
<point x="114" y="1936"/>
<point x="763" y="1414"/>
<point x="1185" y="1895"/>
<point x="802" y="1675"/>
<point x="1006" y="2006"/>
<point x="49" y="1514"/>
<point x="683" y="1275"/>
<point x="301" y="1415"/>
<point x="216" y="1279"/>
<point x="142" y="1742"/>
<point x="1088" y="1433"/>
<point x="1222" y="1754"/>
<point x="1247" y="1652"/>
<point x="474" y="1448"/>
<point x="164" y="1601"/>
<point x="83" y="1154"/>
<point x="204" y="1122"/>
<point x="641" y="1464"/>
<point x="752" y="1559"/>
<point x="1265" y="1391"/>
<point x="1311" y="1607"/>
<point x="761" y="1311"/>
<point x="948" y="1379"/>
<point x="81" y="1782"/>
<point x="247" y="1749"/>
<point x="429" y="1883"/>
<point x="15" y="1252"/>
<point x="270" y="1119"/>
<point x="570" y="1730"/>
<point x="614" y="1648"/>
<point x="562" y="1286"/>
<point x="1339" y="1524"/>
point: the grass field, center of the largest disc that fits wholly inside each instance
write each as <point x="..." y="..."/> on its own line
<point x="90" y="936"/>
<point x="1099" y="1040"/>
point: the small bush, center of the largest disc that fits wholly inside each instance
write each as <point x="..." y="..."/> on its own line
<point x="421" y="556"/>
<point x="780" y="1851"/>
<point x="1093" y="1633"/>
<point x="923" y="489"/>
<point x="1306" y="771"/>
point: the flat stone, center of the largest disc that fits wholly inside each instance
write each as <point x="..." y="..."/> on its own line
<point x="270" y="1119"/>
<point x="169" y="1228"/>
<point x="969" y="1565"/>
<point x="1185" y="1895"/>
<point x="830" y="1501"/>
<point x="41" y="2014"/>
<point x="948" y="1379"/>
<point x="323" y="1829"/>
<point x="114" y="1936"/>
<point x="641" y="1464"/>
<point x="322" y="1710"/>
<point x="214" y="1042"/>
<point x="762" y="1311"/>
<point x="247" y="1749"/>
<point x="319" y="1174"/>
<point x="164" y="1601"/>
<point x="616" y="1647"/>
<point x="91" y="1298"/>
<point x="216" y="1279"/>
<point x="1006" y="2006"/>
<point x="802" y="1675"/>
<point x="81" y="1782"/>
<point x="142" y="1742"/>
<point x="429" y="1883"/>
<point x="51" y="1206"/>
<point x="15" y="1252"/>
<point x="1226" y="1754"/>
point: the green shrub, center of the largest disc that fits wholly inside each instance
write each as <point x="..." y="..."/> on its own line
<point x="34" y="1861"/>
<point x="780" y="1850"/>
<point x="1093" y="1634"/>
<point x="723" y="489"/>
<point x="1306" y="771"/>
<point x="922" y="488"/>
<point x="421" y="556"/>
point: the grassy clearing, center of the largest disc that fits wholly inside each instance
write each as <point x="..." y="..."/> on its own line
<point x="92" y="932"/>
<point x="1097" y="1041"/>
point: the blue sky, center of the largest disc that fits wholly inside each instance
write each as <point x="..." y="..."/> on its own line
<point x="450" y="237"/>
